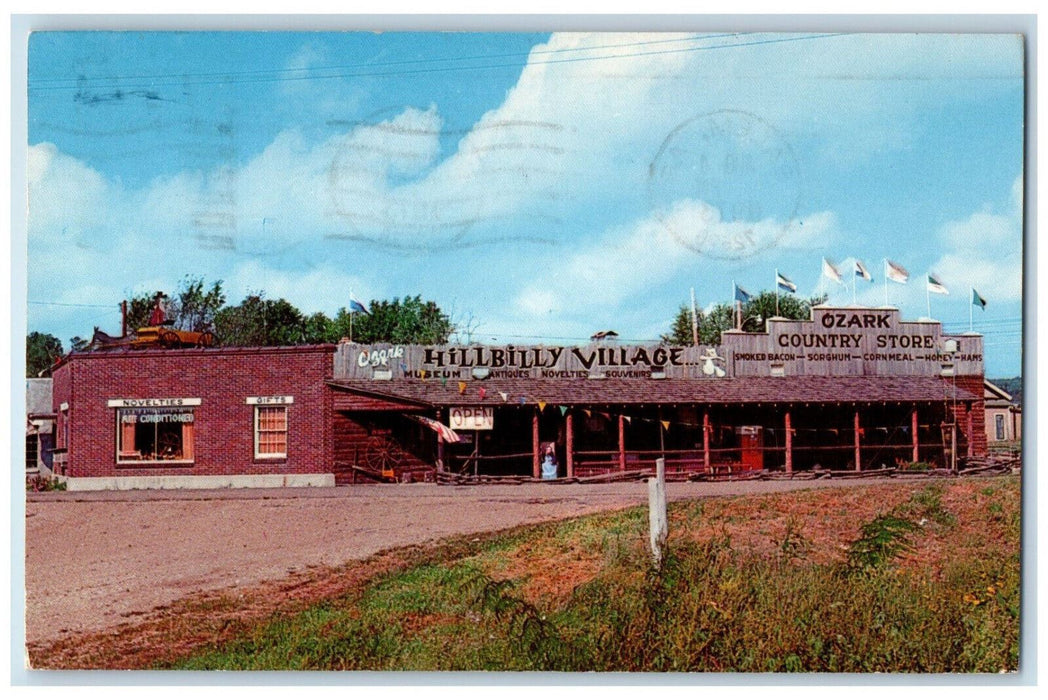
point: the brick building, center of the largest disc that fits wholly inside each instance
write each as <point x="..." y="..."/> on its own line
<point x="194" y="418"/>
<point x="849" y="389"/>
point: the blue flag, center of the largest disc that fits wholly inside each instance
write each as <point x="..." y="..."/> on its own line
<point x="741" y="294"/>
<point x="355" y="305"/>
<point x="784" y="283"/>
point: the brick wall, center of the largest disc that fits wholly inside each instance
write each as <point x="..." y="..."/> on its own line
<point x="222" y="378"/>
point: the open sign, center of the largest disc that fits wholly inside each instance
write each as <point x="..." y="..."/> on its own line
<point x="472" y="418"/>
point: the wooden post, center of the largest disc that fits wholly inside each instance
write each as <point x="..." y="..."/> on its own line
<point x="789" y="444"/>
<point x="913" y="429"/>
<point x="570" y="444"/>
<point x="657" y="523"/>
<point x="858" y="452"/>
<point x="622" y="443"/>
<point x="706" y="440"/>
<point x="971" y="447"/>
<point x="440" y="448"/>
<point x="536" y="466"/>
<point x="953" y="444"/>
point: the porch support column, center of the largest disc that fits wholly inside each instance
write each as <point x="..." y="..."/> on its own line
<point x="971" y="446"/>
<point x="622" y="443"/>
<point x="569" y="427"/>
<point x="536" y="464"/>
<point x="789" y="444"/>
<point x="440" y="445"/>
<point x="913" y="431"/>
<point x="858" y="449"/>
<point x="706" y="439"/>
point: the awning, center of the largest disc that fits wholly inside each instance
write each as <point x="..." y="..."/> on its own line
<point x="742" y="390"/>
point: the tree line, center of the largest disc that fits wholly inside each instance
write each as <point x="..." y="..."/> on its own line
<point x="258" y="321"/>
<point x="755" y="314"/>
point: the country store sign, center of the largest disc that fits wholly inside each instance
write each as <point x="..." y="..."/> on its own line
<point x="835" y="342"/>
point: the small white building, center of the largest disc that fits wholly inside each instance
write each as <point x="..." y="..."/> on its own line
<point x="39" y="426"/>
<point x="1003" y="416"/>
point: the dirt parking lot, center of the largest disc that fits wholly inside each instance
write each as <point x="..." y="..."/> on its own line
<point x="94" y="560"/>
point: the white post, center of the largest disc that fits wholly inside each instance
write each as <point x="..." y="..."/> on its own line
<point x="657" y="522"/>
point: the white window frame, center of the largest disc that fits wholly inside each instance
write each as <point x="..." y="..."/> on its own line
<point x="123" y="460"/>
<point x="999" y="427"/>
<point x="259" y="407"/>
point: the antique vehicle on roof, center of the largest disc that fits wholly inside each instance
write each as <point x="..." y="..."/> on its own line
<point x="159" y="333"/>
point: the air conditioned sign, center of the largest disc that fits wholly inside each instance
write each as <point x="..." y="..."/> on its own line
<point x="471" y="418"/>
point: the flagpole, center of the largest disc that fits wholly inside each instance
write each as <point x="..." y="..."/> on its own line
<point x="854" y="268"/>
<point x="776" y="291"/>
<point x="351" y="317"/>
<point x="886" y="281"/>
<point x="928" y="294"/>
<point x="971" y="303"/>
<point x="694" y="320"/>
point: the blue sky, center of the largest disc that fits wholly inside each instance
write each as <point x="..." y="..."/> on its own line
<point x="538" y="187"/>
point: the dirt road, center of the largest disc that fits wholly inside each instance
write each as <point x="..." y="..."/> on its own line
<point x="94" y="560"/>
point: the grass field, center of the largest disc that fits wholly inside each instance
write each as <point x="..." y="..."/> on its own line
<point x="908" y="576"/>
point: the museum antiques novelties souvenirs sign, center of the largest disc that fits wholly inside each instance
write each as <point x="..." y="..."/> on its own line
<point x="836" y="342"/>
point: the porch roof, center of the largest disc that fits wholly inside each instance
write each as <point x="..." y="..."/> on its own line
<point x="595" y="392"/>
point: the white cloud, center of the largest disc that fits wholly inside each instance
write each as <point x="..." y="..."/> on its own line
<point x="985" y="250"/>
<point x="630" y="260"/>
<point x="569" y="138"/>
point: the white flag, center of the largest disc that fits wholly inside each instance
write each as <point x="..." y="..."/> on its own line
<point x="832" y="272"/>
<point x="936" y="286"/>
<point x="895" y="272"/>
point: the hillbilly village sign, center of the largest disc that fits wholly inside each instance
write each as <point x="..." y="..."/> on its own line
<point x="836" y="342"/>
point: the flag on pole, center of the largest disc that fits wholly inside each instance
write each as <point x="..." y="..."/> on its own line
<point x="741" y="294"/>
<point x="861" y="271"/>
<point x="785" y="283"/>
<point x="978" y="300"/>
<point x="935" y="285"/>
<point x="829" y="270"/>
<point x="357" y="306"/>
<point x="446" y="433"/>
<point x="895" y="272"/>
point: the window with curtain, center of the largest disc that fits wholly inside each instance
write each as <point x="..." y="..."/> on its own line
<point x="155" y="435"/>
<point x="270" y="432"/>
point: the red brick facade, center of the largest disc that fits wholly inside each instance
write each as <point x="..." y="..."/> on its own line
<point x="223" y="380"/>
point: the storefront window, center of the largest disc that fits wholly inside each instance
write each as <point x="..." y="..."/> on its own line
<point x="155" y="434"/>
<point x="270" y="431"/>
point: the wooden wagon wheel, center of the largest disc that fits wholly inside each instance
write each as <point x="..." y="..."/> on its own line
<point x="169" y="446"/>
<point x="383" y="455"/>
<point x="206" y="340"/>
<point x="170" y="339"/>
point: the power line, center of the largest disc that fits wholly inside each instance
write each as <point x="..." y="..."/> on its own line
<point x="418" y="71"/>
<point x="84" y="306"/>
<point x="369" y="64"/>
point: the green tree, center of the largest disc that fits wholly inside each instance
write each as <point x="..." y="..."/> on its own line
<point x="41" y="351"/>
<point x="407" y="321"/>
<point x="318" y="328"/>
<point x="258" y="321"/>
<point x="721" y="317"/>
<point x="195" y="306"/>
<point x="139" y="307"/>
